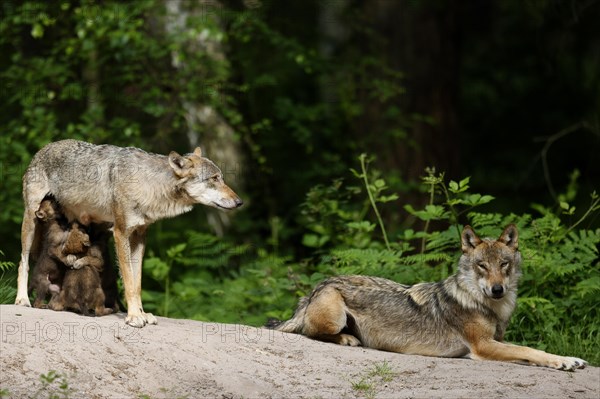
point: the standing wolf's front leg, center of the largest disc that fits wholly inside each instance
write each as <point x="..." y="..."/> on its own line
<point x="130" y="253"/>
<point x="135" y="317"/>
<point x="137" y="243"/>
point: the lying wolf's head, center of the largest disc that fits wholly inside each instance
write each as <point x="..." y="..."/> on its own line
<point x="493" y="264"/>
<point x="203" y="180"/>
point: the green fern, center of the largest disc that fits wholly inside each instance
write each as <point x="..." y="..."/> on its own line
<point x="8" y="292"/>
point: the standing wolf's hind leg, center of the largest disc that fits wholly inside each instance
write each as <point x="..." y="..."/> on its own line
<point x="33" y="194"/>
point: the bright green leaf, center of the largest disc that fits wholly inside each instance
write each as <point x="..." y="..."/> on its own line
<point x="37" y="31"/>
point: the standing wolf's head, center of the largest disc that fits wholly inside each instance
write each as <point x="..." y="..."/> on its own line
<point x="203" y="180"/>
<point x="493" y="264"/>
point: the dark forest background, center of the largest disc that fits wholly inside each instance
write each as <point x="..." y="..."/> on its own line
<point x="285" y="96"/>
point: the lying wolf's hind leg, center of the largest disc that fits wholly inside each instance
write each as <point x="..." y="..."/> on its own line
<point x="326" y="318"/>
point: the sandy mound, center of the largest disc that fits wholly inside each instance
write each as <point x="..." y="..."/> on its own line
<point x="103" y="358"/>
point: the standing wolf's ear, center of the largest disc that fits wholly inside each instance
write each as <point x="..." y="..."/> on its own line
<point x="510" y="237"/>
<point x="469" y="239"/>
<point x="180" y="165"/>
<point x="198" y="152"/>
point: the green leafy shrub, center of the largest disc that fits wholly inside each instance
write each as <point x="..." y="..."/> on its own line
<point x="8" y="282"/>
<point x="209" y="278"/>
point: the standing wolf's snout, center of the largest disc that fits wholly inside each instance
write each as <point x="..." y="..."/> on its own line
<point x="229" y="201"/>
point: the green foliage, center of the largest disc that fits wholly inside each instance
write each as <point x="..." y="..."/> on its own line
<point x="329" y="218"/>
<point x="374" y="191"/>
<point x="8" y="282"/>
<point x="248" y="284"/>
<point x="54" y="386"/>
<point x="383" y="370"/>
<point x="365" y="387"/>
<point x="333" y="220"/>
<point x="367" y="384"/>
<point x="561" y="280"/>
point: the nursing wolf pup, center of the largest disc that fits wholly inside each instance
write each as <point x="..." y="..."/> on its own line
<point x="124" y="186"/>
<point x="54" y="254"/>
<point x="82" y="288"/>
<point x="99" y="236"/>
<point x="464" y="315"/>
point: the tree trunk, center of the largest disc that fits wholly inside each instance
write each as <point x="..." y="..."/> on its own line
<point x="422" y="43"/>
<point x="205" y="126"/>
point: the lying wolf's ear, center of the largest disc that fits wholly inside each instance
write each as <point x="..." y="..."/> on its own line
<point x="180" y="165"/>
<point x="469" y="239"/>
<point x="198" y="152"/>
<point x="510" y="237"/>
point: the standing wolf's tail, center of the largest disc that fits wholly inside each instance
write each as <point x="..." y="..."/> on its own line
<point x="293" y="325"/>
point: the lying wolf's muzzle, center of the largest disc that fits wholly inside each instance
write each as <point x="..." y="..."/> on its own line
<point x="497" y="291"/>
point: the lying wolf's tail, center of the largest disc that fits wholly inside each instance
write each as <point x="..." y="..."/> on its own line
<point x="293" y="325"/>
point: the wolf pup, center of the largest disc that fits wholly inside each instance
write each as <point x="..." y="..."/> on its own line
<point x="124" y="186"/>
<point x="82" y="287"/>
<point x="50" y="267"/>
<point x="464" y="315"/>
<point x="99" y="235"/>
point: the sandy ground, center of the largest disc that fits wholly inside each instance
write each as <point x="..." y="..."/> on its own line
<point x="103" y="358"/>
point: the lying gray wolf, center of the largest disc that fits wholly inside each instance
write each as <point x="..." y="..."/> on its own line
<point x="464" y="315"/>
<point x="124" y="186"/>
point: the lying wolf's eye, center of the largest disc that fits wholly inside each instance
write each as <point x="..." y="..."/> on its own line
<point x="482" y="266"/>
<point x="504" y="265"/>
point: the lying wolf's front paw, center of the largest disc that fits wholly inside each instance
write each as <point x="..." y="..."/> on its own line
<point x="567" y="363"/>
<point x="572" y="363"/>
<point x="22" y="301"/>
<point x="349" y="340"/>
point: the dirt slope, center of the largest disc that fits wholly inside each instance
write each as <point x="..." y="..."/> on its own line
<point x="102" y="358"/>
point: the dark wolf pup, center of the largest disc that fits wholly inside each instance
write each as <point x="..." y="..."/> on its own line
<point x="464" y="315"/>
<point x="54" y="255"/>
<point x="124" y="186"/>
<point x="82" y="287"/>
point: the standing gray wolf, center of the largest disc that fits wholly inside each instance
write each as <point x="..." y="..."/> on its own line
<point x="464" y="315"/>
<point x="124" y="186"/>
